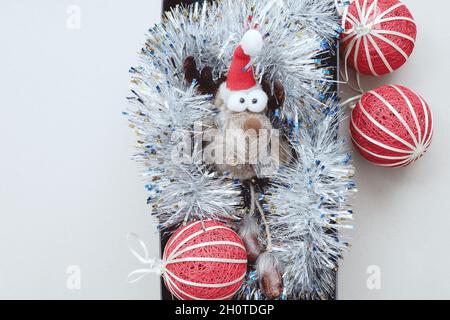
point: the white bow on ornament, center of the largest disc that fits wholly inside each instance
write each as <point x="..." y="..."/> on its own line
<point x="154" y="265"/>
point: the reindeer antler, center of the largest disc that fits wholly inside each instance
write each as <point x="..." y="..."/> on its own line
<point x="190" y="70"/>
<point x="276" y="95"/>
<point x="205" y="80"/>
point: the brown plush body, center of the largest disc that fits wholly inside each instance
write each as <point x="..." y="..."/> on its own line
<point x="249" y="144"/>
<point x="244" y="144"/>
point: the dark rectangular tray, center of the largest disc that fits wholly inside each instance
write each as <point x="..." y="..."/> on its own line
<point x="333" y="61"/>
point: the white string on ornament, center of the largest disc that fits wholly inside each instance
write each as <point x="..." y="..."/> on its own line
<point x="205" y="285"/>
<point x="395" y="33"/>
<point x="351" y="18"/>
<point x="400" y="18"/>
<point x="211" y="243"/>
<point x="175" y="290"/>
<point x="358" y="43"/>
<point x="192" y="236"/>
<point x="362" y="20"/>
<point x="172" y="290"/>
<point x="171" y="241"/>
<point x="405" y="162"/>
<point x="379" y="155"/>
<point x="185" y="228"/>
<point x="358" y="9"/>
<point x="383" y="128"/>
<point x="172" y="258"/>
<point x="378" y="143"/>
<point x="408" y="160"/>
<point x="386" y="12"/>
<point x="173" y="285"/>
<point x="427" y="143"/>
<point x="369" y="11"/>
<point x="426" y="115"/>
<point x="412" y="111"/>
<point x="380" y="53"/>
<point x="369" y="58"/>
<point x="351" y="35"/>
<point x="400" y="118"/>
<point x="398" y="164"/>
<point x="393" y="44"/>
<point x="206" y="259"/>
<point x="364" y="8"/>
<point x="425" y="109"/>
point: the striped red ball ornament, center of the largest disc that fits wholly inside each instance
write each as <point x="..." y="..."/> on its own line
<point x="379" y="36"/>
<point x="204" y="260"/>
<point x="391" y="126"/>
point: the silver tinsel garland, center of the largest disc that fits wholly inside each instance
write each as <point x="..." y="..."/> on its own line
<point x="306" y="203"/>
<point x="313" y="192"/>
<point x="178" y="188"/>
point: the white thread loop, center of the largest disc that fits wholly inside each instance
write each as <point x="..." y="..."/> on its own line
<point x="139" y="250"/>
<point x="350" y="102"/>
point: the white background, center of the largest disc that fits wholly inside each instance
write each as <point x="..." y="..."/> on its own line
<point x="69" y="192"/>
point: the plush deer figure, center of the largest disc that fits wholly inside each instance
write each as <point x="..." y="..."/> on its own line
<point x="239" y="145"/>
<point x="243" y="106"/>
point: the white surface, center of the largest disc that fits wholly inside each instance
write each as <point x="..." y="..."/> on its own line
<point x="69" y="192"/>
<point x="402" y="216"/>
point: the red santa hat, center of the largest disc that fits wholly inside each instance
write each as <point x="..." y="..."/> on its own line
<point x="241" y="91"/>
<point x="240" y="75"/>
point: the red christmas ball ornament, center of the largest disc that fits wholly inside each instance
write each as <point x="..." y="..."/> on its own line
<point x="391" y="126"/>
<point x="204" y="260"/>
<point x="379" y="36"/>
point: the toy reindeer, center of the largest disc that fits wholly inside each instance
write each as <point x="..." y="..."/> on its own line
<point x="241" y="131"/>
<point x="244" y="144"/>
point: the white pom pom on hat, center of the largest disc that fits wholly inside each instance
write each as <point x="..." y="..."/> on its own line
<point x="252" y="42"/>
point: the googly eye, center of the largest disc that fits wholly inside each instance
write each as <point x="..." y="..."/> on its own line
<point x="237" y="102"/>
<point x="258" y="100"/>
